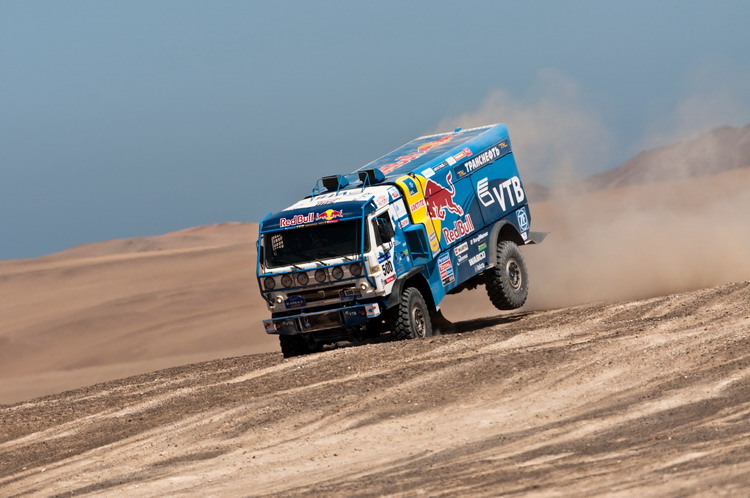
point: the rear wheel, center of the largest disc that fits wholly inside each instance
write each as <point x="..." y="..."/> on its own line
<point x="410" y="318"/>
<point x="294" y="345"/>
<point x="508" y="282"/>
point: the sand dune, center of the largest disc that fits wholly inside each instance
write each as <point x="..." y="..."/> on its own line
<point x="100" y="311"/>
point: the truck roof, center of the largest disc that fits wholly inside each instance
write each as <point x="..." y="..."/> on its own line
<point x="422" y="156"/>
<point x="431" y="151"/>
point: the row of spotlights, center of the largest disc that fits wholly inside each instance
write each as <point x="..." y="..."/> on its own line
<point x="355" y="269"/>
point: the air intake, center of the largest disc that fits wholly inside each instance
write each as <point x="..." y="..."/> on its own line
<point x="371" y="176"/>
<point x="334" y="183"/>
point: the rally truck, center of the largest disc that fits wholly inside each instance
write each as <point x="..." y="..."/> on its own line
<point x="377" y="250"/>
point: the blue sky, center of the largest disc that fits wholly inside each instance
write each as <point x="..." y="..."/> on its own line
<point x="130" y="118"/>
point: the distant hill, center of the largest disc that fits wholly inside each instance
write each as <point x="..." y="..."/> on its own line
<point x="721" y="149"/>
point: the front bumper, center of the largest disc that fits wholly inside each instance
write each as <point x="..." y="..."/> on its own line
<point x="351" y="316"/>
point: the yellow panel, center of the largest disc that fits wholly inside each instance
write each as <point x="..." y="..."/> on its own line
<point x="418" y="208"/>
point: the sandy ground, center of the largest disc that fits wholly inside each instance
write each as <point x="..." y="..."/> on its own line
<point x="640" y="398"/>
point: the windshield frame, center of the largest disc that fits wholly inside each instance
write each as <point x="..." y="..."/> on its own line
<point x="362" y="246"/>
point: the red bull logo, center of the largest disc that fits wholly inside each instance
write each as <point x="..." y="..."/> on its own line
<point x="329" y="215"/>
<point x="460" y="229"/>
<point x="439" y="199"/>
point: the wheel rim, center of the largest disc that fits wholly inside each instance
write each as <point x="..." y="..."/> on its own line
<point x="418" y="321"/>
<point x="513" y="271"/>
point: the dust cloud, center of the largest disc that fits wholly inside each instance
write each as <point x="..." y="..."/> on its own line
<point x="669" y="231"/>
<point x="555" y="135"/>
<point x="642" y="241"/>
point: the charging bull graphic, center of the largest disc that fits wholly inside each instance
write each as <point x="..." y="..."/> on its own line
<point x="439" y="199"/>
<point x="329" y="215"/>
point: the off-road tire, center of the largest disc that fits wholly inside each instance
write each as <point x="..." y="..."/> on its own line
<point x="508" y="282"/>
<point x="410" y="318"/>
<point x="294" y="345"/>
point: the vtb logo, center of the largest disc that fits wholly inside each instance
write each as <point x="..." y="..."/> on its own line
<point x="507" y="194"/>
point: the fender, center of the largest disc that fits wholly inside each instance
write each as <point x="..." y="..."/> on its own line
<point x="395" y="296"/>
<point x="511" y="234"/>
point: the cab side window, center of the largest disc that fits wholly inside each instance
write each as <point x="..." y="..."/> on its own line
<point x="383" y="228"/>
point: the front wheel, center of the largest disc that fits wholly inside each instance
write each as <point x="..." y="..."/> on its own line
<point x="410" y="318"/>
<point x="294" y="345"/>
<point x="508" y="282"/>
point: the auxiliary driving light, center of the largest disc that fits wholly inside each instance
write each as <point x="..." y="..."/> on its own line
<point x="279" y="299"/>
<point x="302" y="278"/>
<point x="355" y="269"/>
<point x="269" y="283"/>
<point x="320" y="276"/>
<point x="286" y="280"/>
<point x="363" y="286"/>
<point x="337" y="272"/>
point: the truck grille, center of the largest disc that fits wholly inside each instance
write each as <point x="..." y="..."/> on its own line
<point x="335" y="292"/>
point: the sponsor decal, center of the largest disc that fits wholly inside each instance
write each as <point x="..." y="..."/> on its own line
<point x="482" y="246"/>
<point x="393" y="192"/>
<point x="479" y="267"/>
<point x="524" y="235"/>
<point x="298" y="219"/>
<point x="404" y="222"/>
<point x="462" y="258"/>
<point x="439" y="166"/>
<point x="464" y="153"/>
<point x="411" y="186"/>
<point x="507" y="194"/>
<point x="389" y="279"/>
<point x="381" y="200"/>
<point x="479" y="238"/>
<point x="372" y="310"/>
<point x="432" y="236"/>
<point x="460" y="229"/>
<point x="329" y="215"/>
<point x="445" y="266"/>
<point x="481" y="160"/>
<point x="421" y="150"/>
<point x="382" y="257"/>
<point x="417" y="205"/>
<point x="374" y="269"/>
<point x="428" y="173"/>
<point x="523" y="219"/>
<point x="439" y="199"/>
<point x="295" y="302"/>
<point x="460" y="249"/>
<point x="476" y="259"/>
<point x="400" y="209"/>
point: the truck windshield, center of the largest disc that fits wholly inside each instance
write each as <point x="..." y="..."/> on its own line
<point x="314" y="243"/>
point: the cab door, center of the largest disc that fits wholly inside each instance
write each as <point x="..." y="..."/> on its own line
<point x="385" y="272"/>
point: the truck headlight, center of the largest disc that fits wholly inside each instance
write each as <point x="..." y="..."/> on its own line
<point x="269" y="283"/>
<point x="320" y="275"/>
<point x="355" y="269"/>
<point x="337" y="272"/>
<point x="286" y="280"/>
<point x="302" y="278"/>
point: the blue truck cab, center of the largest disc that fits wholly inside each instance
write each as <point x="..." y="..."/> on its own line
<point x="377" y="250"/>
